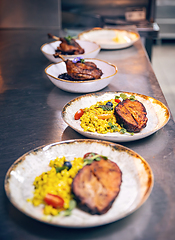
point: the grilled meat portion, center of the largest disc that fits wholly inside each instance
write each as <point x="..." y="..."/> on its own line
<point x="83" y="71"/>
<point x="97" y="185"/>
<point x="132" y="114"/>
<point x="70" y="47"/>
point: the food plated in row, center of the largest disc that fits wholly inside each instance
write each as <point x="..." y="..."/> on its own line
<point x="81" y="75"/>
<point x="68" y="183"/>
<point x="109" y="38"/>
<point x="88" y="43"/>
<point x="52" y="49"/>
<point x="69" y="49"/>
<point x="32" y="182"/>
<point x="115" y="116"/>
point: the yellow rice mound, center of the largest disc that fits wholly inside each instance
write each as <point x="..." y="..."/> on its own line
<point x="90" y="121"/>
<point x="56" y="183"/>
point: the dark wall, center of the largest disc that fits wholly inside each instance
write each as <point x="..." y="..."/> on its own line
<point x="30" y="13"/>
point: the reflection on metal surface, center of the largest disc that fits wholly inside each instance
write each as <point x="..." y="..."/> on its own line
<point x="3" y="88"/>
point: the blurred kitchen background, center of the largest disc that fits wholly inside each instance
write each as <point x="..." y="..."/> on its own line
<point x="154" y="19"/>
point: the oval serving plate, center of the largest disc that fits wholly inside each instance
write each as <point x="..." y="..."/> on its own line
<point x="157" y="114"/>
<point x="137" y="181"/>
<point x="109" y="38"/>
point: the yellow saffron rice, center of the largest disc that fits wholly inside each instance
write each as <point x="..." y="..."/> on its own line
<point x="90" y="121"/>
<point x="56" y="183"/>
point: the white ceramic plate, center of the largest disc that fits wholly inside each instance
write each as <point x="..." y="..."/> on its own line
<point x="91" y="50"/>
<point x="110" y="38"/>
<point x="109" y="71"/>
<point x="157" y="114"/>
<point x="137" y="181"/>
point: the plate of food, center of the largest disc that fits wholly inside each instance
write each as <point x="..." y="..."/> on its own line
<point x="115" y="116"/>
<point x="68" y="184"/>
<point x="69" y="48"/>
<point x="81" y="75"/>
<point x="109" y="38"/>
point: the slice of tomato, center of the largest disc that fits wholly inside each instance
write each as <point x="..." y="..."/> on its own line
<point x="117" y="100"/>
<point x="89" y="155"/>
<point x="54" y="200"/>
<point x="78" y="114"/>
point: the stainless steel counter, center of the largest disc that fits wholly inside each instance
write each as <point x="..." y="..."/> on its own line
<point x="30" y="116"/>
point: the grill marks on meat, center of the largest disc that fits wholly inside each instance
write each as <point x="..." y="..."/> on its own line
<point x="83" y="71"/>
<point x="97" y="185"/>
<point x="70" y="47"/>
<point x="132" y="114"/>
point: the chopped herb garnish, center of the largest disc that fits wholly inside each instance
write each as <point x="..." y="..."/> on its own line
<point x="113" y="127"/>
<point x="123" y="96"/>
<point x="123" y="130"/>
<point x="106" y="107"/>
<point x="68" y="39"/>
<point x="87" y="161"/>
<point x="96" y="158"/>
<point x="117" y="97"/>
<point x="132" y="98"/>
<point x="82" y="60"/>
<point x="72" y="205"/>
<point x="59" y="169"/>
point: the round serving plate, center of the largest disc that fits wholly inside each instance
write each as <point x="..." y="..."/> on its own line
<point x="137" y="181"/>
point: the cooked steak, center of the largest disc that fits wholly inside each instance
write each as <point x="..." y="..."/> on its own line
<point x="97" y="185"/>
<point x="83" y="71"/>
<point x="131" y="114"/>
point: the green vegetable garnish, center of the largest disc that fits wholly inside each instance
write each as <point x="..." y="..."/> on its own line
<point x="68" y="39"/>
<point x="72" y="205"/>
<point x="59" y="169"/>
<point x="113" y="127"/>
<point x="106" y="107"/>
<point x="123" y="96"/>
<point x="123" y="130"/>
<point x="132" y="98"/>
<point x="82" y="60"/>
<point x="96" y="158"/>
<point x="117" y="97"/>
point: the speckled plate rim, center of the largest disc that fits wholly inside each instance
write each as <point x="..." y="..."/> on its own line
<point x="116" y="137"/>
<point x="70" y="56"/>
<point x="115" y="45"/>
<point x="85" y="81"/>
<point x="144" y="170"/>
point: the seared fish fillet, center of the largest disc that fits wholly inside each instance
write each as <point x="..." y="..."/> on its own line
<point x="132" y="114"/>
<point x="97" y="185"/>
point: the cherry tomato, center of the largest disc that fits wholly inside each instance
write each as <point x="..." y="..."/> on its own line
<point x="89" y="155"/>
<point x="78" y="114"/>
<point x="117" y="100"/>
<point x="104" y="116"/>
<point x="54" y="200"/>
